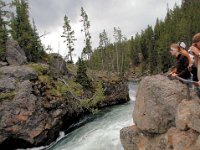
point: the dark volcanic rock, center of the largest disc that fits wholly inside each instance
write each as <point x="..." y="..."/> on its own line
<point x="33" y="110"/>
<point x="28" y="118"/>
<point x="115" y="93"/>
<point x="14" y="54"/>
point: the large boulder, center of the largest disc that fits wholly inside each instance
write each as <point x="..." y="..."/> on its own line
<point x="164" y="118"/>
<point x="156" y="102"/>
<point x="7" y="84"/>
<point x="57" y="65"/>
<point x="14" y="54"/>
<point x="19" y="72"/>
<point x="132" y="138"/>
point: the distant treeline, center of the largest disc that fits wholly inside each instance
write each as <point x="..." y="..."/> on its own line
<point x="149" y="49"/>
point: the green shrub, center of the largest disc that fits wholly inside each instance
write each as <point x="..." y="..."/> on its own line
<point x="81" y="76"/>
<point x="8" y="95"/>
<point x="71" y="86"/>
<point x="96" y="99"/>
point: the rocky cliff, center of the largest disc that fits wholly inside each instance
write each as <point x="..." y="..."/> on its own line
<point x="164" y="119"/>
<point x="37" y="101"/>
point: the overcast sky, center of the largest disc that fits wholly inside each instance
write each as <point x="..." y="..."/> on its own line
<point x="130" y="15"/>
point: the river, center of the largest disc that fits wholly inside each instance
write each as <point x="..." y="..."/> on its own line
<point x="102" y="131"/>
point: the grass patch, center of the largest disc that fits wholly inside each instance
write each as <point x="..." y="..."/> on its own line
<point x="39" y="68"/>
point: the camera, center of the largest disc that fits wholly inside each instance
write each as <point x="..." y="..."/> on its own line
<point x="190" y="52"/>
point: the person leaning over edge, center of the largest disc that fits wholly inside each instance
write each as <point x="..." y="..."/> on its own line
<point x="195" y="48"/>
<point x="182" y="63"/>
<point x="184" y="52"/>
<point x="191" y="67"/>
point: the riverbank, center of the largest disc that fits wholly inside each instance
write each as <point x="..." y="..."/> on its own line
<point x="102" y="130"/>
<point x="38" y="100"/>
<point x="35" y="108"/>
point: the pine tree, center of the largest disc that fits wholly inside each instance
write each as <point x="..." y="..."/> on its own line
<point x="135" y="47"/>
<point x="24" y="33"/>
<point x="3" y="31"/>
<point x="81" y="76"/>
<point x="37" y="48"/>
<point x="87" y="50"/>
<point x="68" y="34"/>
<point x="152" y="45"/>
<point x="101" y="49"/>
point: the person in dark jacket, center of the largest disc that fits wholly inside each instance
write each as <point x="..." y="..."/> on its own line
<point x="182" y="63"/>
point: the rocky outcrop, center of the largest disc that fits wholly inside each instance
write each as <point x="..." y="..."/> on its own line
<point x="29" y="116"/>
<point x="57" y="65"/>
<point x="14" y="54"/>
<point x="115" y="93"/>
<point x="163" y="117"/>
<point x="19" y="72"/>
<point x="35" y="107"/>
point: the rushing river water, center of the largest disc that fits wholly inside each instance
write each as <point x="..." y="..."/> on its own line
<point x="102" y="132"/>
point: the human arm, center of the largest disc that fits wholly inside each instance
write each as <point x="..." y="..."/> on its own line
<point x="186" y="54"/>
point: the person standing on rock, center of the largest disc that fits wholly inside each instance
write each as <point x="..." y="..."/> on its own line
<point x="182" y="62"/>
<point x="195" y="48"/>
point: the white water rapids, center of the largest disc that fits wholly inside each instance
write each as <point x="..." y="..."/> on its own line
<point x="102" y="132"/>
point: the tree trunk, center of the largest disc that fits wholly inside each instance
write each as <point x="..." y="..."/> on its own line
<point x="117" y="59"/>
<point x="102" y="63"/>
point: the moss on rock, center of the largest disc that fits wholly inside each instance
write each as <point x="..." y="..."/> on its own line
<point x="7" y="95"/>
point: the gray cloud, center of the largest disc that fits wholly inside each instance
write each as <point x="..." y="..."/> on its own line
<point x="50" y="13"/>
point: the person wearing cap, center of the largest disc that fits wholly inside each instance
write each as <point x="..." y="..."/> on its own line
<point x="184" y="52"/>
<point x="195" y="48"/>
<point x="182" y="62"/>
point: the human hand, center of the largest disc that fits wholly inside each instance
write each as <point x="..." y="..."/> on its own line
<point x="174" y="75"/>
